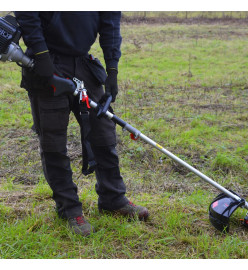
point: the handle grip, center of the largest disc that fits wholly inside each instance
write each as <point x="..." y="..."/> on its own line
<point x="63" y="86"/>
<point x="102" y="109"/>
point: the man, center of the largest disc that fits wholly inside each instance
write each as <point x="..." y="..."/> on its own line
<point x="59" y="42"/>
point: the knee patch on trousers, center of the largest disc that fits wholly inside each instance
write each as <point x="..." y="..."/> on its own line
<point x="106" y="157"/>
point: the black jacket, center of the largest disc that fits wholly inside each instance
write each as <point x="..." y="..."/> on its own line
<point x="71" y="32"/>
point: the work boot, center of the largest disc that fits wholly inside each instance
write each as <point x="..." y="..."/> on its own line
<point x="131" y="210"/>
<point x="81" y="226"/>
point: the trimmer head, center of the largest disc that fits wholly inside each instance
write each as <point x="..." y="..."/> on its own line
<point x="221" y="209"/>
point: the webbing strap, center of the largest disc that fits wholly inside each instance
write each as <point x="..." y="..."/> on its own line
<point x="88" y="161"/>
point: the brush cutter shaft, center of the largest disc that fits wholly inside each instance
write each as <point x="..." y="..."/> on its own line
<point x="192" y="169"/>
<point x="138" y="134"/>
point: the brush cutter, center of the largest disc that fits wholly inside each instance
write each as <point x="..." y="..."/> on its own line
<point x="222" y="207"/>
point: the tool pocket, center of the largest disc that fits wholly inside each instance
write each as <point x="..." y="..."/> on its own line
<point x="54" y="113"/>
<point x="35" y="84"/>
<point x="96" y="68"/>
<point x="54" y="120"/>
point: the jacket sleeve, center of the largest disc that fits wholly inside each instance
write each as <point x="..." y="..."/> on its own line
<point x="32" y="33"/>
<point x="110" y="37"/>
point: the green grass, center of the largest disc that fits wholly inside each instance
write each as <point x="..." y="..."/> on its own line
<point x="187" y="14"/>
<point x="183" y="85"/>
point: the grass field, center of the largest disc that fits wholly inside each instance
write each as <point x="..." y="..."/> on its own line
<point x="183" y="85"/>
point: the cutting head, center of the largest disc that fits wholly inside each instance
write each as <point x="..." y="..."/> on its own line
<point x="221" y="209"/>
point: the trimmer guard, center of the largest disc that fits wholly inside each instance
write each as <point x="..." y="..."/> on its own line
<point x="221" y="209"/>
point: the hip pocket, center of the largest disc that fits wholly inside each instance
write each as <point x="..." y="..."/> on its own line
<point x="96" y="68"/>
<point x="35" y="84"/>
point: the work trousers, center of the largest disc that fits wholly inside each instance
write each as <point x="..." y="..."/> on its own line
<point x="51" y="119"/>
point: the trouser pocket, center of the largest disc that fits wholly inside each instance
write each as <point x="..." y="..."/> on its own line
<point x="54" y="118"/>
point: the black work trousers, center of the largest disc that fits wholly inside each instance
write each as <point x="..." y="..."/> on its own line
<point x="51" y="118"/>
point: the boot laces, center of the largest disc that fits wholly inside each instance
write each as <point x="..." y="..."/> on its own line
<point x="80" y="220"/>
<point x="132" y="204"/>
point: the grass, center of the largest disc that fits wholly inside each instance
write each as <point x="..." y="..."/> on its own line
<point x="187" y="14"/>
<point x="183" y="85"/>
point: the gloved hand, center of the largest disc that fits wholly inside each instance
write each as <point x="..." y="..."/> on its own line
<point x="111" y="86"/>
<point x="43" y="68"/>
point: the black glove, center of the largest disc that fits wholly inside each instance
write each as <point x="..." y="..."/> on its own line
<point x="111" y="86"/>
<point x="43" y="68"/>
